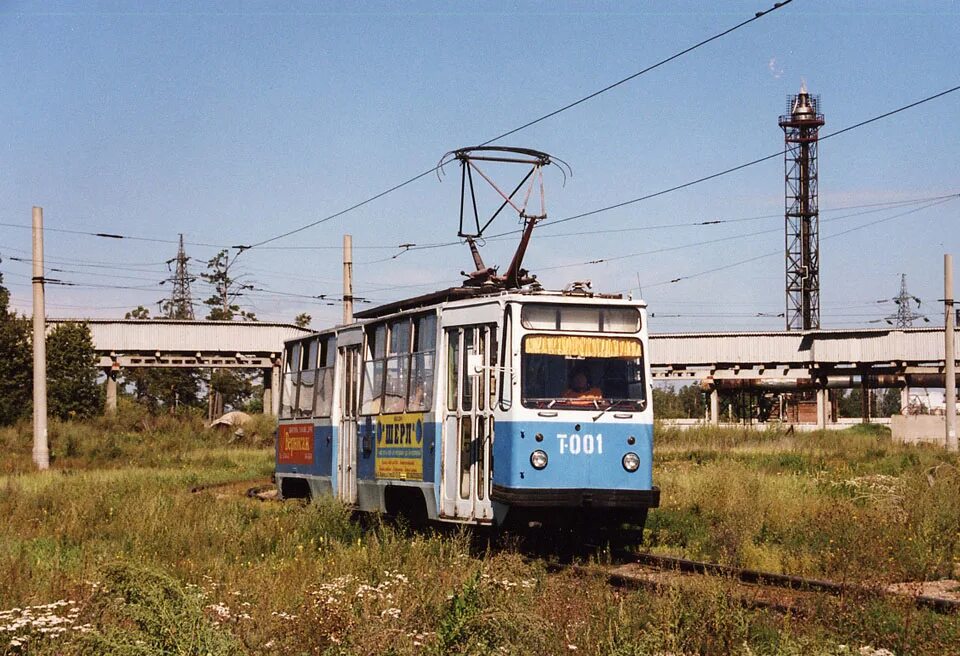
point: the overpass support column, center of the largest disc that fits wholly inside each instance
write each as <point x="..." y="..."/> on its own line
<point x="823" y="407"/>
<point x="714" y="407"/>
<point x="865" y="402"/>
<point x="271" y="390"/>
<point x="268" y="391"/>
<point x="904" y="398"/>
<point x="111" y="392"/>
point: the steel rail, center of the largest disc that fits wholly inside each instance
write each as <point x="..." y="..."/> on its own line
<point x="770" y="579"/>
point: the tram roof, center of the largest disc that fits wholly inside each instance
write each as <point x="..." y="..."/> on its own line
<point x="463" y="293"/>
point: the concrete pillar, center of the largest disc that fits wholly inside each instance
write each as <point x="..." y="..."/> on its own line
<point x="823" y="403"/>
<point x="275" y="385"/>
<point x="268" y="391"/>
<point x="865" y="403"/>
<point x="904" y="398"/>
<point x="111" y="392"/>
<point x="714" y="407"/>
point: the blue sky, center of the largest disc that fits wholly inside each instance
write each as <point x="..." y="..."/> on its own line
<point x="233" y="122"/>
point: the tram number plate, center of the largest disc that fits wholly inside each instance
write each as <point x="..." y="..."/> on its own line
<point x="575" y="444"/>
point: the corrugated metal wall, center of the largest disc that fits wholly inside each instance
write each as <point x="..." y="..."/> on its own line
<point x="826" y="347"/>
<point x="191" y="337"/>
<point x="678" y="349"/>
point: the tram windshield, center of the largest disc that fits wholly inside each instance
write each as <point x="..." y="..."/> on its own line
<point x="576" y="372"/>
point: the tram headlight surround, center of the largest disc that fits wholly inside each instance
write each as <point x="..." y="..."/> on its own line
<point x="538" y="459"/>
<point x="631" y="462"/>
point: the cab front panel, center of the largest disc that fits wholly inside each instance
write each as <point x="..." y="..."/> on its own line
<point x="584" y="464"/>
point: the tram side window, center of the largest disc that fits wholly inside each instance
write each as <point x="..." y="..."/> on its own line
<point x="373" y="370"/>
<point x="398" y="373"/>
<point x="422" y="363"/>
<point x="453" y="367"/>
<point x="324" y="384"/>
<point x="308" y="376"/>
<point x="506" y="363"/>
<point x="291" y="379"/>
<point x="397" y="367"/>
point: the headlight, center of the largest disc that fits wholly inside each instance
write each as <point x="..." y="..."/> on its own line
<point x="631" y="462"/>
<point x="539" y="459"/>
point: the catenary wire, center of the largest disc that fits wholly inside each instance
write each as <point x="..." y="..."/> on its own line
<point x="408" y="181"/>
<point x="705" y="178"/>
<point x="718" y="240"/>
<point x="780" y="252"/>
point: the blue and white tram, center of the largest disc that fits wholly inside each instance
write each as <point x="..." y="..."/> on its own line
<point x="475" y="408"/>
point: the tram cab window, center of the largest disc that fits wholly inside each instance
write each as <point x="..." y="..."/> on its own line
<point x="582" y="372"/>
<point x="540" y="316"/>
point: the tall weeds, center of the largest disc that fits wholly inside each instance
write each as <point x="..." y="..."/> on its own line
<point x="148" y="567"/>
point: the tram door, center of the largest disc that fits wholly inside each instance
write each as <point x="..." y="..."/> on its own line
<point x="468" y="422"/>
<point x="349" y="369"/>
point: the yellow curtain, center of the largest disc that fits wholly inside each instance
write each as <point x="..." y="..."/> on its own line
<point x="587" y="347"/>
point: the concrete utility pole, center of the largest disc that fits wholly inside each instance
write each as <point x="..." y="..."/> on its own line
<point x="347" y="279"/>
<point x="950" y="358"/>
<point x="41" y="452"/>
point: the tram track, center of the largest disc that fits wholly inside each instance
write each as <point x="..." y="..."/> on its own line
<point x="628" y="569"/>
<point x="263" y="481"/>
<point x="650" y="571"/>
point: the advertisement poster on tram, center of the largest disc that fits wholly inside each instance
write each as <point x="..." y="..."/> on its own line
<point x="295" y="444"/>
<point x="400" y="446"/>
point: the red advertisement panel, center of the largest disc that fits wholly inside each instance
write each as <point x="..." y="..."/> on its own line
<point x="296" y="444"/>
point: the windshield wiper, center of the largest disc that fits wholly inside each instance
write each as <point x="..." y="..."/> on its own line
<point x="613" y="403"/>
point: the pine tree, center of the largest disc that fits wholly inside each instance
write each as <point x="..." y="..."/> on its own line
<point x="226" y="289"/>
<point x="226" y="387"/>
<point x="302" y="320"/>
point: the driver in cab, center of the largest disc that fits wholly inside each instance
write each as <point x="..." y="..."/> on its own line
<point x="580" y="388"/>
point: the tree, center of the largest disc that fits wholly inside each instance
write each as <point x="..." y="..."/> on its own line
<point x="226" y="289"/>
<point x="670" y="403"/>
<point x="16" y="363"/>
<point x="881" y="405"/>
<point x="234" y="388"/>
<point x="889" y="402"/>
<point x="72" y="390"/>
<point x="228" y="387"/>
<point x="302" y="320"/>
<point x="138" y="312"/>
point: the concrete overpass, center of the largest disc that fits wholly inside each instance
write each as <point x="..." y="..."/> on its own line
<point x="132" y="343"/>
<point x="815" y="360"/>
<point x="818" y="361"/>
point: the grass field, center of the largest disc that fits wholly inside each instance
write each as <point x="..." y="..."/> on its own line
<point x="111" y="553"/>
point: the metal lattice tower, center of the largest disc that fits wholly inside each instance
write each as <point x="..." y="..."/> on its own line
<point x="180" y="303"/>
<point x="905" y="315"/>
<point x="801" y="126"/>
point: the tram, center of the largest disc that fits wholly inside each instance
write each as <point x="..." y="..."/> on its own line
<point x="489" y="403"/>
<point x="475" y="407"/>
